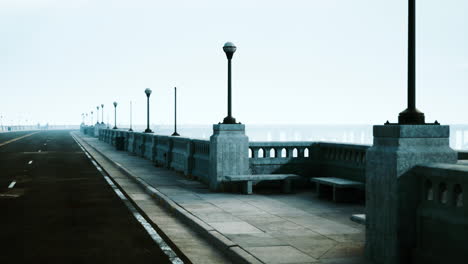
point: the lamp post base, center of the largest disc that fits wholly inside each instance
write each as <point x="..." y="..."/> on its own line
<point x="229" y="120"/>
<point x="148" y="130"/>
<point x="175" y="134"/>
<point x="411" y="117"/>
<point x="114" y="127"/>
<point x="131" y="130"/>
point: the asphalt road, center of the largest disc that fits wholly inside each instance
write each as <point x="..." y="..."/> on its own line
<point x="61" y="209"/>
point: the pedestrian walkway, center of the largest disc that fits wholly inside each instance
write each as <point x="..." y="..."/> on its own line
<point x="269" y="228"/>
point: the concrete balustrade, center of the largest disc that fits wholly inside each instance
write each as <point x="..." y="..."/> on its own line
<point x="201" y="159"/>
<point x="441" y="213"/>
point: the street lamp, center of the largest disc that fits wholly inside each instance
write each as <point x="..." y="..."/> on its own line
<point x="97" y="115"/>
<point x="92" y="118"/>
<point x="102" y="108"/>
<point x="148" y="93"/>
<point x="115" y="115"/>
<point x="175" y="134"/>
<point x="87" y="119"/>
<point x="411" y="116"/>
<point x="229" y="48"/>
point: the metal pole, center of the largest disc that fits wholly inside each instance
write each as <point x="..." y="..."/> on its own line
<point x="147" y="113"/>
<point x="175" y="113"/>
<point x="115" y="117"/>
<point x="412" y="55"/>
<point x="102" y="119"/>
<point x="130" y="117"/>
<point x="229" y="89"/>
<point x="411" y="115"/>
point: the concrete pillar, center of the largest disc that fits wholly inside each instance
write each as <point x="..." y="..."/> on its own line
<point x="229" y="153"/>
<point x="392" y="191"/>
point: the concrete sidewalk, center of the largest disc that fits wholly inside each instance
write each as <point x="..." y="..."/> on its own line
<point x="273" y="228"/>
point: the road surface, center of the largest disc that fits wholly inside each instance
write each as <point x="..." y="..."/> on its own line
<point x="56" y="207"/>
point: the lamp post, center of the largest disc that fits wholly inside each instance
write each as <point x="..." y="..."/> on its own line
<point x="87" y="119"/>
<point x="115" y="115"/>
<point x="229" y="48"/>
<point x="148" y="93"/>
<point x="102" y="108"/>
<point x="130" y="117"/>
<point x="92" y="118"/>
<point x="97" y="115"/>
<point x="411" y="116"/>
<point x="175" y="134"/>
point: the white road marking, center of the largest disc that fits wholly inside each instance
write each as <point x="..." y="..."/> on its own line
<point x="12" y="184"/>
<point x="147" y="226"/>
<point x="30" y="162"/>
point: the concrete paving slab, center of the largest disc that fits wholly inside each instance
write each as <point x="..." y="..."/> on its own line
<point x="280" y="254"/>
<point x="230" y="228"/>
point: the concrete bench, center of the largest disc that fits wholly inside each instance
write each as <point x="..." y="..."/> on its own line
<point x="247" y="180"/>
<point x="336" y="183"/>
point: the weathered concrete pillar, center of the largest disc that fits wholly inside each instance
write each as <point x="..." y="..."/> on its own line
<point x="229" y="153"/>
<point x="97" y="127"/>
<point x="391" y="190"/>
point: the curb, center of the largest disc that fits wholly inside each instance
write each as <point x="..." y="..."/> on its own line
<point x="231" y="249"/>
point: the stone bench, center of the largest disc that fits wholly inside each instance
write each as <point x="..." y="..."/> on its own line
<point x="247" y="180"/>
<point x="336" y="183"/>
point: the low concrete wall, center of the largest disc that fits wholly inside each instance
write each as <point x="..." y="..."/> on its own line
<point x="309" y="159"/>
<point x="442" y="214"/>
<point x="192" y="156"/>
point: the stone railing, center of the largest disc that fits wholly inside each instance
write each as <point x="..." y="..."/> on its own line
<point x="342" y="160"/>
<point x="281" y="157"/>
<point x="192" y="156"/>
<point x="201" y="159"/>
<point x="309" y="159"/>
<point x="189" y="156"/>
<point x="442" y="213"/>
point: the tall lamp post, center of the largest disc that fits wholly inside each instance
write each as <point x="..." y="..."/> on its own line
<point x="130" y="117"/>
<point x="92" y="118"/>
<point x="175" y="134"/>
<point x="411" y="116"/>
<point x="148" y="93"/>
<point x="115" y="115"/>
<point x="102" y="108"/>
<point x="97" y="115"/>
<point x="229" y="48"/>
<point x="87" y="121"/>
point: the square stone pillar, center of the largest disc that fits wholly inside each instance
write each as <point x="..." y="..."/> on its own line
<point x="229" y="153"/>
<point x="392" y="192"/>
<point x="98" y="126"/>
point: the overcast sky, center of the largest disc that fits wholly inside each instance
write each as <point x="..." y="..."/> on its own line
<point x="298" y="61"/>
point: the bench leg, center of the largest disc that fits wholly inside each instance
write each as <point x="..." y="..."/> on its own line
<point x="247" y="187"/>
<point x="287" y="186"/>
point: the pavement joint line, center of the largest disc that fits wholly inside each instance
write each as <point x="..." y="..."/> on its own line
<point x="147" y="226"/>
<point x="15" y="139"/>
<point x="12" y="184"/>
<point x="241" y="255"/>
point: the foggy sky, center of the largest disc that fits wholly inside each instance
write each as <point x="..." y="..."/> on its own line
<point x="301" y="62"/>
